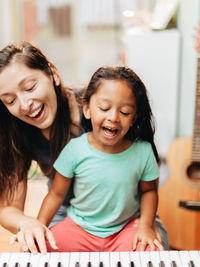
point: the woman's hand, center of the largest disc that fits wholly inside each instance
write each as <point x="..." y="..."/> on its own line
<point x="147" y="236"/>
<point x="32" y="236"/>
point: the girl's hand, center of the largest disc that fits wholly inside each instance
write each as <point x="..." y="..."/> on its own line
<point x="32" y="236"/>
<point x="147" y="236"/>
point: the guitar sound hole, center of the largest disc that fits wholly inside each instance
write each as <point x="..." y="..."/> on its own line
<point x="193" y="171"/>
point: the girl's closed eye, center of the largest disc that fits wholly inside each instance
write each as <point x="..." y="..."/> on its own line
<point x="124" y="113"/>
<point x="104" y="108"/>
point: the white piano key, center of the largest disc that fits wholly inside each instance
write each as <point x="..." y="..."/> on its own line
<point x="174" y="256"/>
<point x="94" y="258"/>
<point x="185" y="258"/>
<point x="54" y="258"/>
<point x="144" y="258"/>
<point x="124" y="258"/>
<point x="34" y="259"/>
<point x="164" y="256"/>
<point x="64" y="258"/>
<point x="84" y="259"/>
<point x="14" y="258"/>
<point x="114" y="258"/>
<point x="155" y="258"/>
<point x="4" y="257"/>
<point x="24" y="259"/>
<point x="43" y="259"/>
<point x="105" y="258"/>
<point x="195" y="256"/>
<point x="135" y="257"/>
<point x="74" y="257"/>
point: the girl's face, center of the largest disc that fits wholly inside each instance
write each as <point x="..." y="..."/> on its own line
<point x="112" y="110"/>
<point x="29" y="95"/>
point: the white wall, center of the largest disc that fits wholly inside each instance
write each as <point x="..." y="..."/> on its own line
<point x="188" y="18"/>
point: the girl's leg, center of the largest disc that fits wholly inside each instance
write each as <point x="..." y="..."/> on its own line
<point x="71" y="237"/>
<point x="163" y="233"/>
<point x="123" y="240"/>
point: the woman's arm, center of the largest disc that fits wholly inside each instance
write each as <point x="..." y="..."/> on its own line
<point x="26" y="228"/>
<point x="148" y="207"/>
<point x="11" y="212"/>
<point x="32" y="233"/>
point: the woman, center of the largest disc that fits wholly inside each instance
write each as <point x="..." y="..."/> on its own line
<point x="38" y="117"/>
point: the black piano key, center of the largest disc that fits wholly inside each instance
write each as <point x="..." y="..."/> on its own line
<point x="173" y="264"/>
<point x="101" y="264"/>
<point x="77" y="264"/>
<point x="191" y="264"/>
<point x="161" y="264"/>
<point x="89" y="264"/>
<point x="17" y="264"/>
<point x="149" y="264"/>
<point x="46" y="264"/>
<point x="119" y="264"/>
<point x="28" y="264"/>
<point x="59" y="264"/>
<point x="5" y="264"/>
<point x="132" y="264"/>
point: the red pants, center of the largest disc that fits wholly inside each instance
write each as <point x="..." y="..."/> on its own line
<point x="71" y="237"/>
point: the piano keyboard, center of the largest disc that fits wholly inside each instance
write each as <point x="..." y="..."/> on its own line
<point x="172" y="258"/>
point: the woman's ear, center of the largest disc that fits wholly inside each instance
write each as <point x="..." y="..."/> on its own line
<point x="56" y="75"/>
<point x="86" y="110"/>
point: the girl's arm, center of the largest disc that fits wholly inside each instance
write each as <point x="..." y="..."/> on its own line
<point x="148" y="208"/>
<point x="54" y="198"/>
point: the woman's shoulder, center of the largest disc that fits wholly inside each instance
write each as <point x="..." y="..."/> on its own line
<point x="74" y="96"/>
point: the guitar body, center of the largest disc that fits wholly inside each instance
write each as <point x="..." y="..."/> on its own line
<point x="183" y="225"/>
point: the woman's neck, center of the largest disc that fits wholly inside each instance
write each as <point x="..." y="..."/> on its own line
<point x="46" y="133"/>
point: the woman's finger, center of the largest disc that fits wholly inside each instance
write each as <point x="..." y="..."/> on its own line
<point x="51" y="239"/>
<point x="22" y="241"/>
<point x="13" y="239"/>
<point x="40" y="236"/>
<point x="30" y="241"/>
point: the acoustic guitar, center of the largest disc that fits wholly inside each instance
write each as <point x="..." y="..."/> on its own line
<point x="179" y="197"/>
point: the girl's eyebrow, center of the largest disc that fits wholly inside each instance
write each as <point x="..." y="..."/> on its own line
<point x="108" y="100"/>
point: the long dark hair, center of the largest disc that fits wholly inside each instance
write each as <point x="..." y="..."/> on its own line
<point x="15" y="147"/>
<point x="144" y="126"/>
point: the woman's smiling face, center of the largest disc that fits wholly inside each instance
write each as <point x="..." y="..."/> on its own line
<point x="29" y="94"/>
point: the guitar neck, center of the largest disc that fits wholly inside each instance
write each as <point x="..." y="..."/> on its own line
<point x="196" y="132"/>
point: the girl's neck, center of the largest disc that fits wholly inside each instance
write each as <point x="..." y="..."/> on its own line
<point x="110" y="149"/>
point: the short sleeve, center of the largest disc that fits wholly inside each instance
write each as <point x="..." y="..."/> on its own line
<point x="65" y="163"/>
<point x="151" y="170"/>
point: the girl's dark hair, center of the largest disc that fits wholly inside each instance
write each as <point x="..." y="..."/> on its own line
<point x="15" y="147"/>
<point x="144" y="126"/>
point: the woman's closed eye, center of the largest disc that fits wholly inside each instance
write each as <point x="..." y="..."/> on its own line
<point x="9" y="101"/>
<point x="30" y="88"/>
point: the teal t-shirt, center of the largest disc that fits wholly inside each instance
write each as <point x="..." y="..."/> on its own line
<point x="106" y="185"/>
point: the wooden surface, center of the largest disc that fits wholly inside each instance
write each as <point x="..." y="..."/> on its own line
<point x="183" y="226"/>
<point x="37" y="189"/>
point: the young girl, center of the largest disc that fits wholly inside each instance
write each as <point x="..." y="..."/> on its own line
<point x="115" y="170"/>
